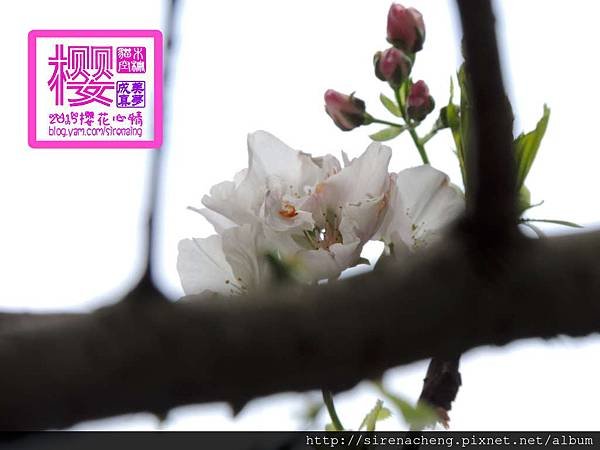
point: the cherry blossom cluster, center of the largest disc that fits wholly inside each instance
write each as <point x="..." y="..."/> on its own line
<point x="309" y="217"/>
<point x="312" y="215"/>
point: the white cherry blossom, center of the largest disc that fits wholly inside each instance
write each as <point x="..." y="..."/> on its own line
<point x="277" y="178"/>
<point x="347" y="208"/>
<point x="231" y="263"/>
<point x="422" y="203"/>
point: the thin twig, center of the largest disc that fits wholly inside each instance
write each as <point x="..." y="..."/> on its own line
<point x="158" y="155"/>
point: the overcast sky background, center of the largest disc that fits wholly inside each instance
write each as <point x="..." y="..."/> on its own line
<point x="72" y="220"/>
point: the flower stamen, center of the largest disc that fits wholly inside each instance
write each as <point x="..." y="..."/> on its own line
<point x="288" y="211"/>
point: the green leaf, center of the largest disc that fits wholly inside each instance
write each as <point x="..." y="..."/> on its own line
<point x="282" y="272"/>
<point x="564" y="223"/>
<point x="527" y="145"/>
<point x="330" y="427"/>
<point x="452" y="117"/>
<point x="311" y="411"/>
<point x="524" y="200"/>
<point x="387" y="133"/>
<point x="379" y="412"/>
<point x="390" y="105"/>
<point x="418" y="417"/>
<point x="448" y="118"/>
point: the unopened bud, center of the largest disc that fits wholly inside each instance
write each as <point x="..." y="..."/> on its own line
<point x="420" y="103"/>
<point x="405" y="28"/>
<point x="347" y="111"/>
<point x="392" y="66"/>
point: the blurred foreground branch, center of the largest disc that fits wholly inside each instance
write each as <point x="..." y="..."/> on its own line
<point x="138" y="356"/>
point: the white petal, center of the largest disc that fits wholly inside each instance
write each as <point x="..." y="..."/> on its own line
<point x="422" y="203"/>
<point x="329" y="165"/>
<point x="364" y="179"/>
<point x="245" y="251"/>
<point x="202" y="266"/>
<point x="232" y="202"/>
<point x="241" y="200"/>
<point x="362" y="219"/>
<point x="240" y="176"/>
<point x="269" y="157"/>
<point x="286" y="244"/>
<point x="218" y="221"/>
<point x="346" y="159"/>
<point x="315" y="265"/>
<point x="346" y="255"/>
<point x="444" y="208"/>
<point x="310" y="264"/>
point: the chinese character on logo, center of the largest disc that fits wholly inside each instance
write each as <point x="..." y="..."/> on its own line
<point x="131" y="59"/>
<point x="87" y="72"/>
<point x="131" y="94"/>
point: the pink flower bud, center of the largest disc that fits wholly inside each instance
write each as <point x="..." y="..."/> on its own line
<point x="420" y="103"/>
<point x="347" y="111"/>
<point x="392" y="66"/>
<point x="405" y="28"/>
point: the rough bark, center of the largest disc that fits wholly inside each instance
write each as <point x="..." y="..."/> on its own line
<point x="134" y="356"/>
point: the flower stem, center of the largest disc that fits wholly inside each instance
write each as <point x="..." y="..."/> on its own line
<point x="419" y="144"/>
<point x="413" y="134"/>
<point x="385" y="122"/>
<point x="335" y="420"/>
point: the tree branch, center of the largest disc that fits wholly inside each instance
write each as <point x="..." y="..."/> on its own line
<point x="441" y="385"/>
<point x="152" y="356"/>
<point x="158" y="156"/>
<point x="491" y="182"/>
<point x="491" y="194"/>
